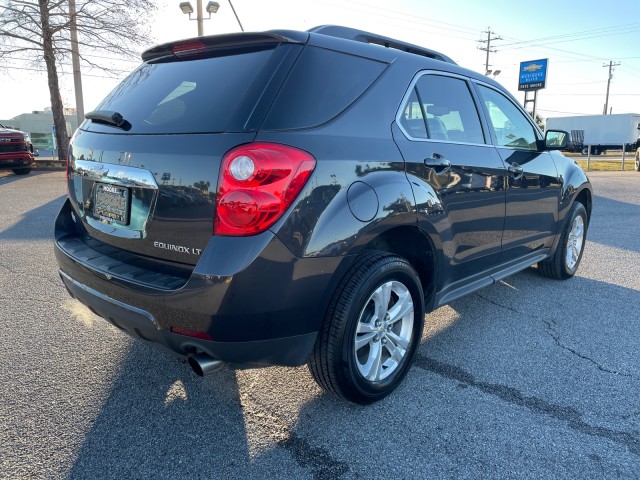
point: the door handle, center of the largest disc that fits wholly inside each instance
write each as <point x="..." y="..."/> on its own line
<point x="515" y="169"/>
<point x="437" y="161"/>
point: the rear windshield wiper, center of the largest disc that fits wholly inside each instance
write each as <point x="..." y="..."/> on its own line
<point x="107" y="117"/>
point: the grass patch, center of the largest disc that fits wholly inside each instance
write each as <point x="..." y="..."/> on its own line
<point x="606" y="165"/>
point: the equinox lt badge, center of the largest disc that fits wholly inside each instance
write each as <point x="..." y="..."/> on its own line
<point x="177" y="248"/>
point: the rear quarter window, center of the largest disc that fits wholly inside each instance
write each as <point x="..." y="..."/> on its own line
<point x="189" y="96"/>
<point x="321" y="85"/>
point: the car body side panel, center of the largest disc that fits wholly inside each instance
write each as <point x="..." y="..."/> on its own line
<point x="464" y="203"/>
<point x="364" y="176"/>
<point x="532" y="203"/>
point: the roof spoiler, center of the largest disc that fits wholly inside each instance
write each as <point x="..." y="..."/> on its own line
<point x="372" y="38"/>
<point x="220" y="42"/>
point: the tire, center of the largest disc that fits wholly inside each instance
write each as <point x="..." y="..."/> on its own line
<point x="21" y="171"/>
<point x="366" y="346"/>
<point x="566" y="259"/>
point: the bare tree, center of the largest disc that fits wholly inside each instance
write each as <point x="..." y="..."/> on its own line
<point x="40" y="31"/>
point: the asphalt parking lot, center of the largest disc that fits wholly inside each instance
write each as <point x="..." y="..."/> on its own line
<point x="529" y="378"/>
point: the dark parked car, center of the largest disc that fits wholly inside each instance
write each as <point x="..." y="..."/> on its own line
<point x="287" y="197"/>
<point x="16" y="151"/>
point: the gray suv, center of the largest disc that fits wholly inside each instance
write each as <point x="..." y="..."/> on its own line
<point x="285" y="197"/>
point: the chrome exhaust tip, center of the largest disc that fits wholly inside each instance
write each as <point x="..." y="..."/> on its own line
<point x="203" y="364"/>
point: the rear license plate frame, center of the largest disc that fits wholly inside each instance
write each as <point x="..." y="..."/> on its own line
<point x="112" y="202"/>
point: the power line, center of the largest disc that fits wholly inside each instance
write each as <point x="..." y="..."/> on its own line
<point x="570" y="37"/>
<point x="558" y="111"/>
<point x="590" y="94"/>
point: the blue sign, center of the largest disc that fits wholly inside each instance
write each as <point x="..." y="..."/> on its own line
<point x="533" y="74"/>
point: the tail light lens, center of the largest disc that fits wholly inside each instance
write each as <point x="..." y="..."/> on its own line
<point x="258" y="183"/>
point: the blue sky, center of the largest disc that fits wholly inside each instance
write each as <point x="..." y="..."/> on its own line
<point x="576" y="37"/>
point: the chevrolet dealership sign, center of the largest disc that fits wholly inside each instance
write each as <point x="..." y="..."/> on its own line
<point x="533" y="74"/>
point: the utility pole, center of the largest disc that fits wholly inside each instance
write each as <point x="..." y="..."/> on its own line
<point x="611" y="65"/>
<point x="488" y="47"/>
<point x="75" y="61"/>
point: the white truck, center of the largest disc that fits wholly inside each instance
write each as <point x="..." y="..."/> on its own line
<point x="600" y="132"/>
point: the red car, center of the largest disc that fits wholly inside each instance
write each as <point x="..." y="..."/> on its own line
<point x="16" y="151"/>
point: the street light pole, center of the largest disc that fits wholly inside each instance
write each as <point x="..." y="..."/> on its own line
<point x="199" y="18"/>
<point x="75" y="60"/>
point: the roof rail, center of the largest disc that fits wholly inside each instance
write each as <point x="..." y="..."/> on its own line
<point x="367" y="37"/>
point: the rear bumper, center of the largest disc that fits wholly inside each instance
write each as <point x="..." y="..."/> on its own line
<point x="140" y="324"/>
<point x="258" y="303"/>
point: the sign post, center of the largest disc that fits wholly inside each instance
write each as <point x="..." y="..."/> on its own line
<point x="53" y="140"/>
<point x="533" y="77"/>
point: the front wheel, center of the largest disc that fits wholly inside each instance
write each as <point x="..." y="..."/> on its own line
<point x="21" y="171"/>
<point x="371" y="331"/>
<point x="565" y="261"/>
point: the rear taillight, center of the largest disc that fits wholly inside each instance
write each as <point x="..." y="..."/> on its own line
<point x="258" y="183"/>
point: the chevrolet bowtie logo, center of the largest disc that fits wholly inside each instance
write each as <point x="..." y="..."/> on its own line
<point x="534" y="67"/>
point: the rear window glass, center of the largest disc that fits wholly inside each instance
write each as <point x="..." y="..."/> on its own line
<point x="194" y="96"/>
<point x="322" y="84"/>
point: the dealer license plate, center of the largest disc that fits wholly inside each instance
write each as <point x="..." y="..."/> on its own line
<point x="112" y="202"/>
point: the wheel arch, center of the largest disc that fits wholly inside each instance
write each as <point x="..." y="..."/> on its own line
<point x="585" y="198"/>
<point x="415" y="246"/>
<point x="583" y="195"/>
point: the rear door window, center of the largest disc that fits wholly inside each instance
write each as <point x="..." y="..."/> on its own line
<point x="322" y="84"/>
<point x="193" y="96"/>
<point x="442" y="108"/>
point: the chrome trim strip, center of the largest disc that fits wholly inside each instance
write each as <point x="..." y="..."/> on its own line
<point x="120" y="175"/>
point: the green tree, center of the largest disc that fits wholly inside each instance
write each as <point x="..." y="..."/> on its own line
<point x="539" y="120"/>
<point x="39" y="31"/>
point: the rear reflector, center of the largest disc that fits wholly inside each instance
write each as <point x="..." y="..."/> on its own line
<point x="191" y="333"/>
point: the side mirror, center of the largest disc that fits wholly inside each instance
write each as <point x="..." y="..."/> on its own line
<point x="555" y="140"/>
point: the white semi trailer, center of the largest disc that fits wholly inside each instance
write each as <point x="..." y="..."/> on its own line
<point x="600" y="132"/>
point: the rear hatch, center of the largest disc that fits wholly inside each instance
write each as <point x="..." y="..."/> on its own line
<point x="143" y="167"/>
